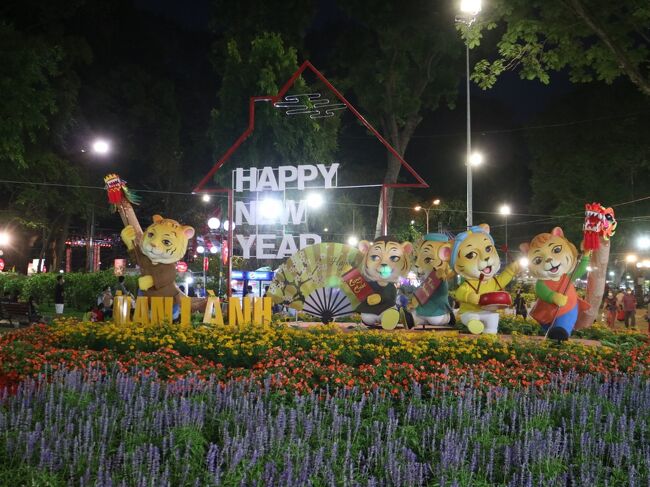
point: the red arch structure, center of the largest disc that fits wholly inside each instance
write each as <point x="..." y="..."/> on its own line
<point x="201" y="187"/>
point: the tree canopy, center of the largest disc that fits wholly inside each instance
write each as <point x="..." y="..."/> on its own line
<point x="591" y="39"/>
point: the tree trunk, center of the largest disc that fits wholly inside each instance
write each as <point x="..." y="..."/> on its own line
<point x="392" y="172"/>
<point x="47" y="239"/>
<point x="595" y="285"/>
<point x="399" y="138"/>
<point x="59" y="249"/>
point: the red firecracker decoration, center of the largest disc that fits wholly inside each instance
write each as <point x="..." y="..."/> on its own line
<point x="599" y="222"/>
<point x="118" y="191"/>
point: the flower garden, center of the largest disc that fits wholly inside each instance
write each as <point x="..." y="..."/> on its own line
<point x="100" y="404"/>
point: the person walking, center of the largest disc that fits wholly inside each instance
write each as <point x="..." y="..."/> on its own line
<point x="107" y="302"/>
<point x="610" y="307"/>
<point x="629" y="307"/>
<point x="59" y="295"/>
<point x="520" y="304"/>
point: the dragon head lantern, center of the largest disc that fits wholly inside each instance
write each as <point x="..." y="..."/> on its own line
<point x="599" y="222"/>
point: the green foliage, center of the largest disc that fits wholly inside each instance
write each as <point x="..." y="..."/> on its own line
<point x="595" y="40"/>
<point x="262" y="68"/>
<point x="81" y="289"/>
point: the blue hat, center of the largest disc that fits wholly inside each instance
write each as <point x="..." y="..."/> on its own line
<point x="462" y="236"/>
<point x="436" y="237"/>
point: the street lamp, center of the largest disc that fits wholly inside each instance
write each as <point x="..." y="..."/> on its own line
<point x="101" y="146"/>
<point x="643" y="242"/>
<point x="470" y="9"/>
<point x="353" y="240"/>
<point x="5" y="239"/>
<point x="206" y="198"/>
<point x="505" y="211"/>
<point x="435" y="202"/>
<point x="215" y="224"/>
<point x="315" y="200"/>
<point x="631" y="258"/>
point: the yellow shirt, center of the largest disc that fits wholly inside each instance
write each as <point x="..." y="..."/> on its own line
<point x="497" y="283"/>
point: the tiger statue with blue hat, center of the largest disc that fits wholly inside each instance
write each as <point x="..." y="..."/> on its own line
<point x="430" y="263"/>
<point x="474" y="257"/>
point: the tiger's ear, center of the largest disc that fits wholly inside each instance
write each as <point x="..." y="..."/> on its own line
<point x="364" y="246"/>
<point x="407" y="247"/>
<point x="485" y="227"/>
<point x="188" y="232"/>
<point x="557" y="231"/>
<point x="157" y="218"/>
<point x="524" y="247"/>
<point x="444" y="252"/>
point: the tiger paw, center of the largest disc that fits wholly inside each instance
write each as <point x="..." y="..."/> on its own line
<point x="145" y="282"/>
<point x="475" y="327"/>
<point x="389" y="319"/>
<point x="559" y="299"/>
<point x="374" y="299"/>
<point x="128" y="236"/>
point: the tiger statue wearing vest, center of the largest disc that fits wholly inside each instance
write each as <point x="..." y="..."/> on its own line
<point x="553" y="261"/>
<point x="474" y="257"/>
<point x="385" y="261"/>
<point x="430" y="302"/>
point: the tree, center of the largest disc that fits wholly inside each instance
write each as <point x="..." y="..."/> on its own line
<point x="606" y="161"/>
<point x="261" y="68"/>
<point x="399" y="60"/>
<point x="595" y="39"/>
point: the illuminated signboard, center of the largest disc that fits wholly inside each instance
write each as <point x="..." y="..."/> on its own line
<point x="264" y="206"/>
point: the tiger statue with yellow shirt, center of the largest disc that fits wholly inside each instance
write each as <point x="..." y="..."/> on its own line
<point x="474" y="257"/>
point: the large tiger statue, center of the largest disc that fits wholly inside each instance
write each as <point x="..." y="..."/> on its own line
<point x="474" y="257"/>
<point x="163" y="244"/>
<point x="385" y="261"/>
<point x="430" y="263"/>
<point x="553" y="261"/>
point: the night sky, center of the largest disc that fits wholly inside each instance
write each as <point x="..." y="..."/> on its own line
<point x="174" y="42"/>
<point x="440" y="140"/>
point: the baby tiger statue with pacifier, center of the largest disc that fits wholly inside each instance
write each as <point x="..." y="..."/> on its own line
<point x="553" y="261"/>
<point x="385" y="261"/>
<point x="430" y="302"/>
<point x="474" y="257"/>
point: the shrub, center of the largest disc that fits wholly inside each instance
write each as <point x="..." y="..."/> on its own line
<point x="81" y="289"/>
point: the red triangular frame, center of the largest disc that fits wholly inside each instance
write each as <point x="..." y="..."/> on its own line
<point x="200" y="188"/>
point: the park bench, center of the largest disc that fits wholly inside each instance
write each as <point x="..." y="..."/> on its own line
<point x="16" y="310"/>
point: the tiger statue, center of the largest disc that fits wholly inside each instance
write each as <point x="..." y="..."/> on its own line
<point x="385" y="260"/>
<point x="551" y="260"/>
<point x="474" y="257"/>
<point x="163" y="244"/>
<point x="430" y="263"/>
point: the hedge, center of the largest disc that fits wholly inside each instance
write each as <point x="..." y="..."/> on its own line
<point x="81" y="289"/>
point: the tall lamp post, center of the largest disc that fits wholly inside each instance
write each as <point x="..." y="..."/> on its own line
<point x="505" y="211"/>
<point x="215" y="224"/>
<point x="99" y="147"/>
<point x="469" y="9"/>
<point x="435" y="203"/>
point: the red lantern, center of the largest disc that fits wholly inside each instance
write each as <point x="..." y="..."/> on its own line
<point x="181" y="266"/>
<point x="2" y="264"/>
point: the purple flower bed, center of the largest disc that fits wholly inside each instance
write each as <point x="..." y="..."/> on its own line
<point x="133" y="430"/>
